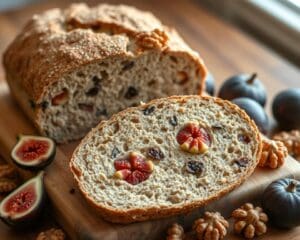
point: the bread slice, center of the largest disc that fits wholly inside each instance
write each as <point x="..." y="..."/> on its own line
<point x="71" y="68"/>
<point x="230" y="157"/>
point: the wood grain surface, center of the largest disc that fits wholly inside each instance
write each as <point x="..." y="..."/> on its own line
<point x="225" y="50"/>
<point x="80" y="221"/>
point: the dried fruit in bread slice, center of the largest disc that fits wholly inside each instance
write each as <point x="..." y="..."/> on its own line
<point x="175" y="154"/>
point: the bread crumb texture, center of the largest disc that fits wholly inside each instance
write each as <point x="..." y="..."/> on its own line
<point x="72" y="68"/>
<point x="231" y="156"/>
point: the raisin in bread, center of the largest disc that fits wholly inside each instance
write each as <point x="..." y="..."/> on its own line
<point x="166" y="157"/>
<point x="71" y="68"/>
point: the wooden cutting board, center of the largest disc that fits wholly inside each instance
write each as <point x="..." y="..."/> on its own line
<point x="80" y="221"/>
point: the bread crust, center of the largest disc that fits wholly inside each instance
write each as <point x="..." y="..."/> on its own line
<point x="57" y="42"/>
<point x="143" y="214"/>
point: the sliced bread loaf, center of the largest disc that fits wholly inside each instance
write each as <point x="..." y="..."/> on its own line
<point x="69" y="69"/>
<point x="166" y="157"/>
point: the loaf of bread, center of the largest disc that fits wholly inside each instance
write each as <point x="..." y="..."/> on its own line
<point x="70" y="69"/>
<point x="166" y="157"/>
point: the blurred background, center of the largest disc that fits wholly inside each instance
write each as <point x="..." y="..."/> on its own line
<point x="275" y="23"/>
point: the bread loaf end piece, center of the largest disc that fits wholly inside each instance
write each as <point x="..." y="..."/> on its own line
<point x="70" y="69"/>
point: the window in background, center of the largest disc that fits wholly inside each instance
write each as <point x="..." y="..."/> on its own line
<point x="274" y="22"/>
<point x="9" y="4"/>
<point x="294" y="4"/>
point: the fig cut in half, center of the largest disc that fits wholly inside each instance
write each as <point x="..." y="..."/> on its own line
<point x="21" y="207"/>
<point x="33" y="152"/>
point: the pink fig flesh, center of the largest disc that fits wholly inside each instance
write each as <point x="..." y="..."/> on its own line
<point x="22" y="201"/>
<point x="32" y="149"/>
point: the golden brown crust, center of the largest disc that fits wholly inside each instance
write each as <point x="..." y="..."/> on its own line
<point x="57" y="42"/>
<point x="142" y="214"/>
<point x="122" y="19"/>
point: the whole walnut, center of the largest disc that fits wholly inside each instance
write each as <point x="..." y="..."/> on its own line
<point x="52" y="234"/>
<point x="175" y="232"/>
<point x="250" y="221"/>
<point x="291" y="140"/>
<point x="211" y="227"/>
<point x="273" y="154"/>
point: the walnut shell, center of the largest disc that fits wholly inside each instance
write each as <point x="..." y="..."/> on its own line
<point x="250" y="221"/>
<point x="212" y="226"/>
<point x="52" y="234"/>
<point x="273" y="154"/>
<point x="175" y="232"/>
<point x="291" y="140"/>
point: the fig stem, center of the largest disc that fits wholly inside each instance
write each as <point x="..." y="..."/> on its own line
<point x="252" y="78"/>
<point x="292" y="186"/>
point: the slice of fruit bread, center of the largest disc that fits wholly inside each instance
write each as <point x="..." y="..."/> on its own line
<point x="166" y="157"/>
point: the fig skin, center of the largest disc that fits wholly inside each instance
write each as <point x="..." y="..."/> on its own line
<point x="255" y="112"/>
<point x="244" y="85"/>
<point x="210" y="84"/>
<point x="51" y="152"/>
<point x="281" y="201"/>
<point x="286" y="108"/>
<point x="32" y="216"/>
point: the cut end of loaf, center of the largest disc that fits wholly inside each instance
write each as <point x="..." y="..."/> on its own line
<point x="82" y="64"/>
<point x="172" y="188"/>
<point x="94" y="92"/>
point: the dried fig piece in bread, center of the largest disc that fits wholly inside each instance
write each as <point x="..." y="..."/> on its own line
<point x="114" y="56"/>
<point x="179" y="180"/>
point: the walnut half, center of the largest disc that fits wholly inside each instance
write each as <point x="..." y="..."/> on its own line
<point x="250" y="221"/>
<point x="273" y="154"/>
<point x="175" y="232"/>
<point x="211" y="227"/>
<point x="291" y="140"/>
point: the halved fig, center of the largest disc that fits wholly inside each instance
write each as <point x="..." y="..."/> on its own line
<point x="24" y="205"/>
<point x="33" y="152"/>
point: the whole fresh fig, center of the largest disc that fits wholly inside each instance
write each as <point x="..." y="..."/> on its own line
<point x="210" y="84"/>
<point x="281" y="201"/>
<point x="244" y="85"/>
<point x="255" y="111"/>
<point x="286" y="108"/>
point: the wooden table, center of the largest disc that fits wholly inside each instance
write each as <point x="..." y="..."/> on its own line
<point x="225" y="49"/>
